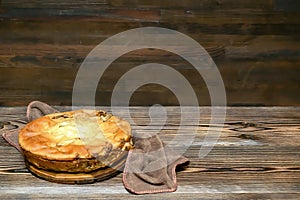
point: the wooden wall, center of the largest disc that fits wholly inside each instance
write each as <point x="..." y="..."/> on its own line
<point x="255" y="44"/>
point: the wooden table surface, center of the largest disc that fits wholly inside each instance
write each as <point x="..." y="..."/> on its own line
<point x="257" y="156"/>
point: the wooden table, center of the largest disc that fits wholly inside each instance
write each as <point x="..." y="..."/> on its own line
<point x="257" y="156"/>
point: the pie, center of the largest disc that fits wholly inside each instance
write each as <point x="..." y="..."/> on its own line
<point x="75" y="141"/>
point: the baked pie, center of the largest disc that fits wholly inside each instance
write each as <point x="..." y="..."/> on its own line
<point x="75" y="141"/>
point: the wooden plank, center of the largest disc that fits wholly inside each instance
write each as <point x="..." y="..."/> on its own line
<point x="235" y="47"/>
<point x="191" y="4"/>
<point x="229" y="17"/>
<point x="287" y="5"/>
<point x="92" y="14"/>
<point x="51" y="3"/>
<point x="94" y="29"/>
<point x="191" y="196"/>
<point x="202" y="4"/>
<point x="255" y="157"/>
<point x="240" y="78"/>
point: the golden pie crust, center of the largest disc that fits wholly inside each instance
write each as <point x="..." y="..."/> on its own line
<point x="75" y="141"/>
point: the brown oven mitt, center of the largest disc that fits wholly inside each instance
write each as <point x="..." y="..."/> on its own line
<point x="35" y="110"/>
<point x="149" y="168"/>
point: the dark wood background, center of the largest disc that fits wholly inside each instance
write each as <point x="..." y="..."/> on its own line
<point x="255" y="44"/>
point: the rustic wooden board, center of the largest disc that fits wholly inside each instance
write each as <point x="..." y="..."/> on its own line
<point x="77" y="178"/>
<point x="256" y="157"/>
<point x="255" y="45"/>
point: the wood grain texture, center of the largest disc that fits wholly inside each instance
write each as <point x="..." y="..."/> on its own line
<point x="255" y="45"/>
<point x="256" y="157"/>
